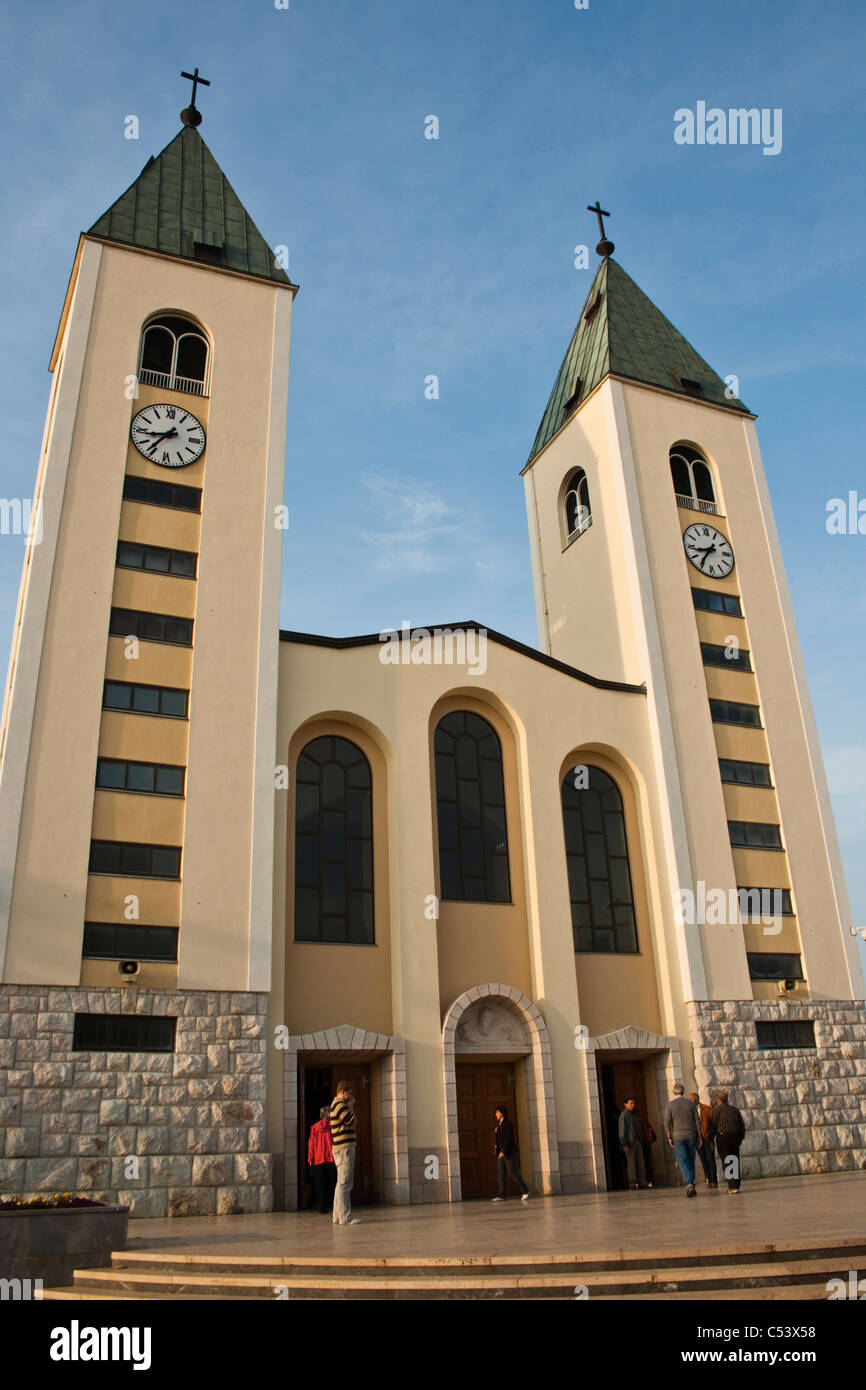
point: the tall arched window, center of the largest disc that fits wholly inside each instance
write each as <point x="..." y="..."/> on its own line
<point x="577" y="511"/>
<point x="174" y="355"/>
<point x="692" y="479"/>
<point x="470" y="800"/>
<point x="333" y="843"/>
<point x="599" y="878"/>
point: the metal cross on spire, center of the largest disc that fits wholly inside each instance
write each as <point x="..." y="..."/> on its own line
<point x="605" y="248"/>
<point x="190" y="115"/>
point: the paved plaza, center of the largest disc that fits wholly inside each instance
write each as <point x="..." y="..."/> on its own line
<point x="775" y="1212"/>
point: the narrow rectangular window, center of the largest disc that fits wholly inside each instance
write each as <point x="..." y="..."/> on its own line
<point x="731" y="712"/>
<point x="123" y="858"/>
<point x="715" y="655"/>
<point x="129" y="941"/>
<point x="159" y="494"/>
<point x="744" y="773"/>
<point x="156" y="559"/>
<point x="785" y="1034"/>
<point x="756" y="902"/>
<point x="145" y="699"/>
<point x="711" y="601"/>
<point x="151" y="627"/>
<point x="750" y="834"/>
<point x="123" y="1033"/>
<point x="114" y="774"/>
<point x="767" y="965"/>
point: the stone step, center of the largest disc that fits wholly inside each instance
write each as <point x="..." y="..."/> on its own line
<point x="848" y="1249"/>
<point x="802" y="1293"/>
<point x="697" y="1279"/>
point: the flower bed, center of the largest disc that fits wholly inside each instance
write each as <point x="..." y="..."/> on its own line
<point x="49" y="1237"/>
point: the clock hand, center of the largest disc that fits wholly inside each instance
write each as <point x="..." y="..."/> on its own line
<point x="709" y="550"/>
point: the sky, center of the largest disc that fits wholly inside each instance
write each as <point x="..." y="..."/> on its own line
<point x="455" y="257"/>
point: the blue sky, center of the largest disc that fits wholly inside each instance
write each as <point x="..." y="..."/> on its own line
<point x="455" y="257"/>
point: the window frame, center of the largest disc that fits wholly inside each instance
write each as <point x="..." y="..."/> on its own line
<point x="171" y="552"/>
<point x="193" y="329"/>
<point x="794" y="974"/>
<point x="160" y="690"/>
<point x="741" y="781"/>
<point x="131" y="845"/>
<point x="769" y="1028"/>
<point x="135" y="953"/>
<point x="756" y="824"/>
<point x="613" y="928"/>
<point x="127" y="763"/>
<point x="124" y="1033"/>
<point x="690" y="456"/>
<point x="151" y="485"/>
<point x="704" y="607"/>
<point x="575" y="482"/>
<point x="490" y="811"/>
<point x="366" y="854"/>
<point x="735" y="704"/>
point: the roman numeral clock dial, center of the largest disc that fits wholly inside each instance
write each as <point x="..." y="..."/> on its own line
<point x="709" y="551"/>
<point x="168" y="435"/>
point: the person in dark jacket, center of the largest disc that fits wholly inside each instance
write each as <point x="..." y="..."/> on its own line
<point x="506" y="1156"/>
<point x="631" y="1143"/>
<point x="727" y="1127"/>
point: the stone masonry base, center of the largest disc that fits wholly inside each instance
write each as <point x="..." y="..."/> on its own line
<point x="575" y="1166"/>
<point x="804" y="1108"/>
<point x="167" y="1134"/>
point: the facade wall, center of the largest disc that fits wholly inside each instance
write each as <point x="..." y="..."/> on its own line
<point x="804" y="1108"/>
<point x="54" y="723"/>
<point x="192" y="1120"/>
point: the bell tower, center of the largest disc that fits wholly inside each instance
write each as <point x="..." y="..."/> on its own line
<point x="656" y="560"/>
<point x="139" y="723"/>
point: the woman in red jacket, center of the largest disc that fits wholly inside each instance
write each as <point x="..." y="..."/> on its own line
<point x="323" y="1169"/>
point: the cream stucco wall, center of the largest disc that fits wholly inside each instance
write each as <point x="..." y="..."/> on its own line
<point x="54" y="716"/>
<point x="618" y="599"/>
<point x="542" y="715"/>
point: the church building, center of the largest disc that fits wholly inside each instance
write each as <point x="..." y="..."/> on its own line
<point x="238" y="864"/>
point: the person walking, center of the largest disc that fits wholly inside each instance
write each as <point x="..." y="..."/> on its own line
<point x="706" y="1151"/>
<point x="344" y="1139"/>
<point x="320" y="1156"/>
<point x="631" y="1142"/>
<point x="683" y="1132"/>
<point x="728" y="1128"/>
<point x="506" y="1157"/>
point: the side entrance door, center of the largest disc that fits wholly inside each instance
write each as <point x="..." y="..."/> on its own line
<point x="481" y="1088"/>
<point x="315" y="1089"/>
<point x="619" y="1080"/>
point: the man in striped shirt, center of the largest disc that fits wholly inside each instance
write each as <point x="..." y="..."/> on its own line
<point x="344" y="1139"/>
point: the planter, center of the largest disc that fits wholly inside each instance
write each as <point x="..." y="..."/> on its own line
<point x="49" y="1243"/>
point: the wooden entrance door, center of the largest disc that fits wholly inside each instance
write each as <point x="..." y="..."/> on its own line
<point x="481" y="1088"/>
<point x="619" y="1080"/>
<point x="316" y="1088"/>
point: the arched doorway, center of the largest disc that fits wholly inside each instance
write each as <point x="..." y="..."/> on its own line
<point x="496" y="1027"/>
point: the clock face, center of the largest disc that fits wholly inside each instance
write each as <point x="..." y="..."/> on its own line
<point x="168" y="435"/>
<point x="709" y="551"/>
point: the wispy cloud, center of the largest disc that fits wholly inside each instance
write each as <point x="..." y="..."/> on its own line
<point x="419" y="532"/>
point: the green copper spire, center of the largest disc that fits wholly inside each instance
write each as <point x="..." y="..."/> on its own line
<point x="620" y="332"/>
<point x="183" y="205"/>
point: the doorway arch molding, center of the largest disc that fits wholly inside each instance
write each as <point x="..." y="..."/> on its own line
<point x="538" y="1077"/>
